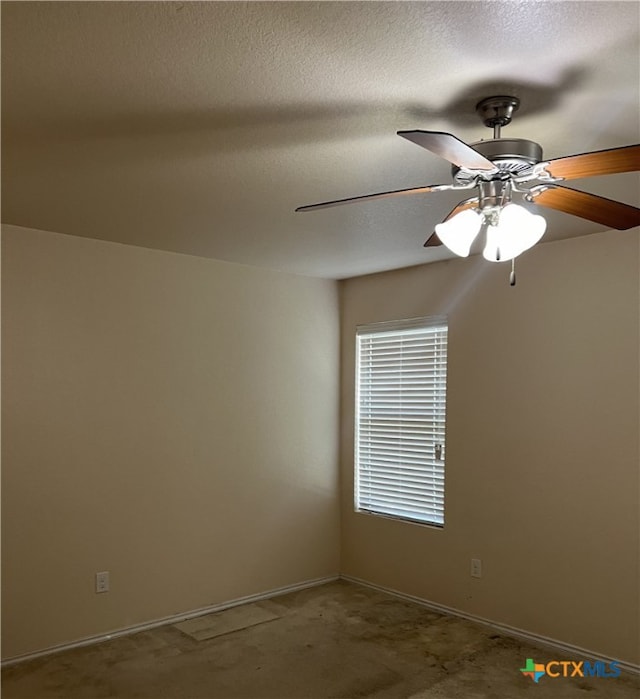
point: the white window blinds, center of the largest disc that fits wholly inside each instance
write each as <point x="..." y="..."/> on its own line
<point x="400" y="419"/>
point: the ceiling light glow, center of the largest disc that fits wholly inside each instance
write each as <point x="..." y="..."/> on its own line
<point x="516" y="230"/>
<point x="459" y="232"/>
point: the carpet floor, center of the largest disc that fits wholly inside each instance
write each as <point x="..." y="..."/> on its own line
<point x="337" y="641"/>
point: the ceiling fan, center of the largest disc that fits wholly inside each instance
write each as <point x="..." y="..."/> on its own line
<point x="497" y="169"/>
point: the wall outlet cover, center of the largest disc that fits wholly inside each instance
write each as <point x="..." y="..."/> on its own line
<point x="476" y="568"/>
<point x="102" y="581"/>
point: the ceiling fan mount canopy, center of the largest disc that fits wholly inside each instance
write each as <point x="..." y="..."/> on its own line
<point x="497" y="111"/>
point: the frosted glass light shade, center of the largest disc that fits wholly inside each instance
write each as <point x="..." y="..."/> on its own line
<point x="459" y="232"/>
<point x="517" y="231"/>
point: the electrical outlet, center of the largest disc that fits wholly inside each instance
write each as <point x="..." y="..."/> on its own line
<point x="102" y="581"/>
<point x="476" y="568"/>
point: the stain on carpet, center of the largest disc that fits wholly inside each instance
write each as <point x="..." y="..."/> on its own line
<point x="220" y="623"/>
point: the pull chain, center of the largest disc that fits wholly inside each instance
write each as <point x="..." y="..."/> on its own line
<point x="506" y="196"/>
<point x="512" y="276"/>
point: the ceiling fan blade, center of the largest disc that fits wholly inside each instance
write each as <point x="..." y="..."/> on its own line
<point x="450" y="148"/>
<point x="370" y="197"/>
<point x="433" y="240"/>
<point x="608" y="212"/>
<point x="601" y="162"/>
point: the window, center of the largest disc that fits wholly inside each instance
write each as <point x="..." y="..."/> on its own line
<point x="401" y="379"/>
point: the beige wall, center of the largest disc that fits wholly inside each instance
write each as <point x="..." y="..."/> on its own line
<point x="167" y="418"/>
<point x="542" y="442"/>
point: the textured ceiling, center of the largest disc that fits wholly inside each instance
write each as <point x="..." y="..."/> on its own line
<point x="199" y="127"/>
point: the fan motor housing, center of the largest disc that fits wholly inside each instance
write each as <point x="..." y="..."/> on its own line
<point x="509" y="155"/>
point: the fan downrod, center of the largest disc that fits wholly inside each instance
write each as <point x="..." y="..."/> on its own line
<point x="496" y="112"/>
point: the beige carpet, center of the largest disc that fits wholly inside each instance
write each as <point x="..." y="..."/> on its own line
<point x="338" y="641"/>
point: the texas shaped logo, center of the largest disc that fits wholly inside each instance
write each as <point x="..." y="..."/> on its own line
<point x="533" y="670"/>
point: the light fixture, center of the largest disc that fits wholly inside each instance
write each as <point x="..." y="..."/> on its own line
<point x="459" y="232"/>
<point x="515" y="231"/>
<point x="510" y="228"/>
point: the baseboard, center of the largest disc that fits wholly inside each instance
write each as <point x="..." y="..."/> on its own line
<point x="174" y="619"/>
<point x="502" y="628"/>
